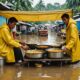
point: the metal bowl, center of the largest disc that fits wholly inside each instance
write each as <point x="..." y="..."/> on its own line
<point x="42" y="47"/>
<point x="34" y="53"/>
<point x="55" y="53"/>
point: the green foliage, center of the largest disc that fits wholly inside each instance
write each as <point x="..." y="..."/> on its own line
<point x="73" y="4"/>
<point x="40" y="6"/>
<point x="19" y="4"/>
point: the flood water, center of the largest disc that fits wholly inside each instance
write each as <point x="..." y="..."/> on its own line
<point x="44" y="73"/>
<point x="51" y="39"/>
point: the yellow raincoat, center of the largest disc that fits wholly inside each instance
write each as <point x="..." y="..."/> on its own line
<point x="7" y="43"/>
<point x="72" y="40"/>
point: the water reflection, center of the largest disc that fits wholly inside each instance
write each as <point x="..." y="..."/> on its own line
<point x="44" y="73"/>
<point x="51" y="39"/>
<point x="65" y="73"/>
<point x="1" y="70"/>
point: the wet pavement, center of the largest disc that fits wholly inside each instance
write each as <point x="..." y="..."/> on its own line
<point x="65" y="72"/>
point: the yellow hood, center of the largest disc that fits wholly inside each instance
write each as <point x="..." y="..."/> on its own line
<point x="71" y="21"/>
<point x="3" y="25"/>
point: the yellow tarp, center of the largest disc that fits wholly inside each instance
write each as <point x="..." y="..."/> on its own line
<point x="35" y="15"/>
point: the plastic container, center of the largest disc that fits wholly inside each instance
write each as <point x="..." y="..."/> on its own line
<point x="1" y="61"/>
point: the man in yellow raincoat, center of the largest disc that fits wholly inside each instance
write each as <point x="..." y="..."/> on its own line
<point x="72" y="38"/>
<point x="9" y="47"/>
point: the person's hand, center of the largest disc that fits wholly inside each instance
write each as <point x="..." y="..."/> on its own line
<point x="22" y="43"/>
<point x="25" y="47"/>
<point x="64" y="49"/>
<point x="62" y="44"/>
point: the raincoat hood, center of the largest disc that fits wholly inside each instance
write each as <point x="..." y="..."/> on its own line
<point x="4" y="26"/>
<point x="71" y="21"/>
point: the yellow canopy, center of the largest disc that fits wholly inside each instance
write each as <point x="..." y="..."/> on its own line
<point x="36" y="15"/>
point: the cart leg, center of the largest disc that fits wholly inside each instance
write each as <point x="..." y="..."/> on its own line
<point x="28" y="64"/>
<point x="61" y="64"/>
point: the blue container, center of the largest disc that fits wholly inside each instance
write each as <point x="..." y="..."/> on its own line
<point x="78" y="25"/>
<point x="2" y="20"/>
